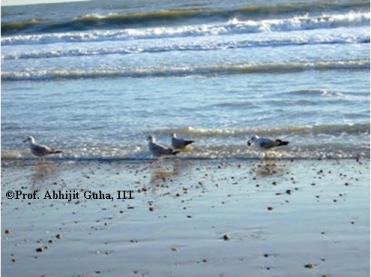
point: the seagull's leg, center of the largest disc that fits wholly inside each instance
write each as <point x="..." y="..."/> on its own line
<point x="161" y="161"/>
<point x="155" y="160"/>
<point x="272" y="158"/>
<point x="265" y="160"/>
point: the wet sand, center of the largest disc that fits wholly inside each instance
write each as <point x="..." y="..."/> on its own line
<point x="188" y="218"/>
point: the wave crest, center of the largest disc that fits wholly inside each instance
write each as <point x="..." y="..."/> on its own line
<point x="185" y="46"/>
<point x="186" y="71"/>
<point x="349" y="129"/>
<point x="235" y="25"/>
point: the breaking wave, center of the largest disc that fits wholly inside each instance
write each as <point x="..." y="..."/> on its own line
<point x="185" y="46"/>
<point x="348" y="129"/>
<point x="233" y="25"/>
<point x="185" y="71"/>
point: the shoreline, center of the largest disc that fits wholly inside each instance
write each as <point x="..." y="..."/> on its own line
<point x="33" y="160"/>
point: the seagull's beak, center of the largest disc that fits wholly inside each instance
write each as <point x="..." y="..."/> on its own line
<point x="25" y="140"/>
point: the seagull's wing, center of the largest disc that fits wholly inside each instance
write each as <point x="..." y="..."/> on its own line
<point x="41" y="150"/>
<point x="179" y="143"/>
<point x="266" y="143"/>
<point x="159" y="150"/>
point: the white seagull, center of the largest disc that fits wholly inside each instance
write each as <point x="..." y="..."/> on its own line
<point x="158" y="150"/>
<point x="179" y="143"/>
<point x="265" y="143"/>
<point x="39" y="149"/>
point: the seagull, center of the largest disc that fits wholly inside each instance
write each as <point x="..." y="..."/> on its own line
<point x="265" y="143"/>
<point x="179" y="143"/>
<point x="158" y="150"/>
<point x="39" y="149"/>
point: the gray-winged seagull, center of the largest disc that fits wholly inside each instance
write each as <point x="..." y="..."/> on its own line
<point x="158" y="150"/>
<point x="265" y="143"/>
<point x="179" y="143"/>
<point x="39" y="149"/>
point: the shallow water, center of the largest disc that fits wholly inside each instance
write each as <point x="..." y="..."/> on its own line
<point x="95" y="79"/>
<point x="182" y="208"/>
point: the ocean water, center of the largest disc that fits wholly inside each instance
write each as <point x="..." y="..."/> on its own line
<point x="95" y="78"/>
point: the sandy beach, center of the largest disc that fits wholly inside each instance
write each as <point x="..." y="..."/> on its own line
<point x="188" y="218"/>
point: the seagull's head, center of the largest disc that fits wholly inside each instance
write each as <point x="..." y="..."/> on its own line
<point x="30" y="139"/>
<point x="151" y="139"/>
<point x="173" y="135"/>
<point x="252" y="140"/>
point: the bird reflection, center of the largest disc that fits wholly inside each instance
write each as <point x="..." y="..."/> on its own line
<point x="268" y="167"/>
<point x="42" y="171"/>
<point x="173" y="168"/>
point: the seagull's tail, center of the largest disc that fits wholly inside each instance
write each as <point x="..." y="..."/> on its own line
<point x="281" y="142"/>
<point x="188" y="142"/>
<point x="57" y="152"/>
